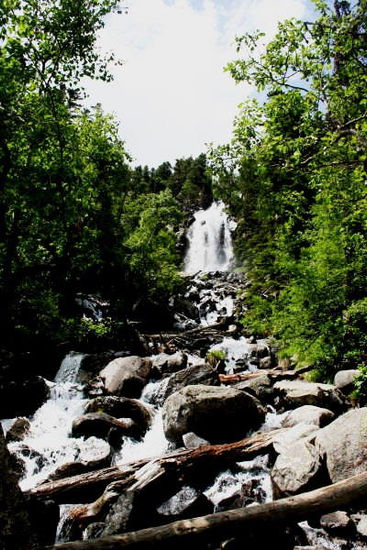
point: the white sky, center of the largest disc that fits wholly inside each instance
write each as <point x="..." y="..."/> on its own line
<point x="171" y="95"/>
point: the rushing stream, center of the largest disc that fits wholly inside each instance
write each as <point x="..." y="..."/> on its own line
<point x="48" y="444"/>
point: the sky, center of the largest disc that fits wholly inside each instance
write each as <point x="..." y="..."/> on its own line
<point x="171" y="94"/>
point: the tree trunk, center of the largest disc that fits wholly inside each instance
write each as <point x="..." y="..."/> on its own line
<point x="234" y="523"/>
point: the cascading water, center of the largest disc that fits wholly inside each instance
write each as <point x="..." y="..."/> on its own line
<point x="210" y="244"/>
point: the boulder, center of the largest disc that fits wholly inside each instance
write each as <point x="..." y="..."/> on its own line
<point x="343" y="444"/>
<point x="94" y="454"/>
<point x="259" y="350"/>
<point x="18" y="430"/>
<point x="308" y="414"/>
<point x="217" y="414"/>
<point x="122" y="407"/>
<point x="104" y="426"/>
<point x="344" y="379"/>
<point x="265" y="362"/>
<point x="337" y="523"/>
<point x="296" y="393"/>
<point x="296" y="469"/>
<point x="197" y="374"/>
<point x="23" y="396"/>
<point x="287" y="438"/>
<point x="187" y="503"/>
<point x="126" y="375"/>
<point x="164" y="364"/>
<point x="259" y="386"/>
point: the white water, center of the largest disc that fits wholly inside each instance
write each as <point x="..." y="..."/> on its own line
<point x="210" y="243"/>
<point x="48" y="445"/>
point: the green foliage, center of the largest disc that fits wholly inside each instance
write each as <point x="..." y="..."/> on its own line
<point x="360" y="385"/>
<point x="294" y="176"/>
<point x="217" y="354"/>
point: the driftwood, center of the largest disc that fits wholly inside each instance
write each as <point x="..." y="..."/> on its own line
<point x="233" y="523"/>
<point x="275" y="374"/>
<point x="179" y="464"/>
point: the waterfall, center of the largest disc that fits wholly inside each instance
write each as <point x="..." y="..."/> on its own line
<point x="210" y="243"/>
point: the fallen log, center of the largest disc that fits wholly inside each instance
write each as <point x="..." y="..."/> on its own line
<point x="183" y="462"/>
<point x="233" y="523"/>
<point x="275" y="374"/>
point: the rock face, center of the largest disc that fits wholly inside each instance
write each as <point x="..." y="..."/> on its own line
<point x="308" y="414"/>
<point x="122" y="407"/>
<point x="296" y="469"/>
<point x="260" y="387"/>
<point x="214" y="413"/>
<point x="165" y="364"/>
<point x="296" y="393"/>
<point x="337" y="523"/>
<point x="126" y="376"/>
<point x="197" y="374"/>
<point x="344" y="444"/>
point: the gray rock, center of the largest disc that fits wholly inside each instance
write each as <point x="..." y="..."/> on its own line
<point x="308" y="414"/>
<point x="337" y="523"/>
<point x="18" y="430"/>
<point x="164" y="364"/>
<point x="122" y="407"/>
<point x="94" y="454"/>
<point x="197" y="374"/>
<point x="296" y="393"/>
<point x="215" y="413"/>
<point x="126" y="375"/>
<point x="193" y="441"/>
<point x="259" y="386"/>
<point x="94" y="530"/>
<point x="296" y="469"/>
<point x="259" y="350"/>
<point x="187" y="503"/>
<point x="344" y="379"/>
<point x="344" y="444"/>
<point x="287" y="438"/>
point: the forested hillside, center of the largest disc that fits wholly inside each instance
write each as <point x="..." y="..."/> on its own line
<point x="294" y="176"/>
<point x="75" y="217"/>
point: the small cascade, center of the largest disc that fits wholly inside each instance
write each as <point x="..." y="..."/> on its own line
<point x="48" y="445"/>
<point x="210" y="243"/>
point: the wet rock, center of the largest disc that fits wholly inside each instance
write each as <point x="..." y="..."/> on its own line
<point x="18" y="430"/>
<point x="94" y="454"/>
<point x="296" y="469"/>
<point x="296" y="393"/>
<point x="344" y="380"/>
<point x="308" y="414"/>
<point x="215" y="413"/>
<point x="94" y="530"/>
<point x="187" y="503"/>
<point x="120" y="517"/>
<point x="165" y="364"/>
<point x="122" y="407"/>
<point x="193" y="441"/>
<point x="251" y="492"/>
<point x="343" y="443"/>
<point x="337" y="523"/>
<point x="126" y="376"/>
<point x="197" y="374"/>
<point x="25" y="451"/>
<point x="101" y="425"/>
<point x="259" y="386"/>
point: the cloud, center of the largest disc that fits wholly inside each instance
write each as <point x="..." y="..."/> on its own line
<point x="171" y="94"/>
